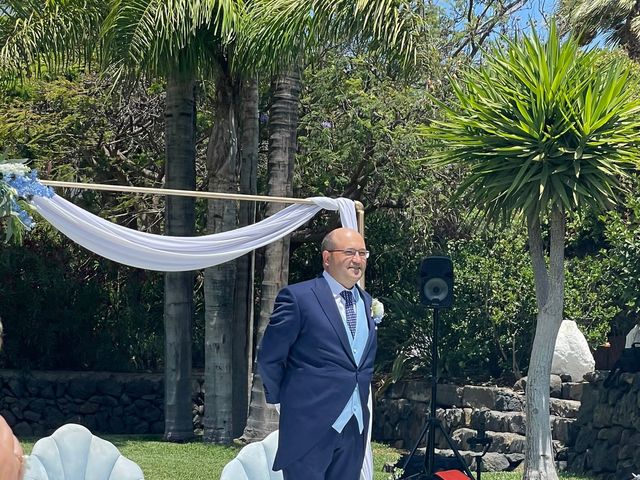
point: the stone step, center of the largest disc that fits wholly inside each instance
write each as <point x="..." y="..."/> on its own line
<point x="494" y="421"/>
<point x="480" y="397"/>
<point x="502" y="442"/>
<point x="492" y="398"/>
<point x="490" y="462"/>
<point x="564" y="408"/>
<point x="402" y="412"/>
<point x="515" y="422"/>
<point x="560" y="428"/>
<point x="445" y="459"/>
<point x="454" y="419"/>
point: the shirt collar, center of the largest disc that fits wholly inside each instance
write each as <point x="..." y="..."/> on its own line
<point x="336" y="287"/>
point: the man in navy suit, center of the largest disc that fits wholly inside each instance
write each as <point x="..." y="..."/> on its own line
<point x="316" y="361"/>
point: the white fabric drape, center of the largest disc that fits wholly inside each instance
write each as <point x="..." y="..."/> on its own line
<point x="178" y="254"/>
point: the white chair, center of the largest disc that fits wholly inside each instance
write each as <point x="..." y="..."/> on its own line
<point x="73" y="453"/>
<point x="254" y="461"/>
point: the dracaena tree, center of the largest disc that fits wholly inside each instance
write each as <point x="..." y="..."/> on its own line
<point x="543" y="130"/>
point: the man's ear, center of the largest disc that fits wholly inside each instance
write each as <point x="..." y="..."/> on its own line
<point x="325" y="258"/>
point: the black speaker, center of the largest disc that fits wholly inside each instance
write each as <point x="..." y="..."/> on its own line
<point x="436" y="282"/>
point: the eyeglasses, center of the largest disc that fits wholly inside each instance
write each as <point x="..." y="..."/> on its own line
<point x="350" y="252"/>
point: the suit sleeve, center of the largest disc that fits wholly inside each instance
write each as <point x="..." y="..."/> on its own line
<point x="279" y="335"/>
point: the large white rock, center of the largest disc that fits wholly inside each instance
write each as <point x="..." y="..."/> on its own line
<point x="572" y="355"/>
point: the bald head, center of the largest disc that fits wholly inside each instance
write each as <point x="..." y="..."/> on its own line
<point x="336" y="259"/>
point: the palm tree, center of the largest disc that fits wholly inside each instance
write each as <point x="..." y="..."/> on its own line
<point x="180" y="173"/>
<point x="248" y="128"/>
<point x="180" y="41"/>
<point x="170" y="39"/>
<point x="617" y="20"/>
<point x="183" y="42"/>
<point x="280" y="34"/>
<point x="232" y="160"/>
<point x="220" y="280"/>
<point x="544" y="131"/>
<point x="209" y="30"/>
<point x="283" y="123"/>
<point x="57" y="34"/>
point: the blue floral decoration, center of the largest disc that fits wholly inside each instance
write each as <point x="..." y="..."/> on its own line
<point x="22" y="186"/>
<point x="28" y="186"/>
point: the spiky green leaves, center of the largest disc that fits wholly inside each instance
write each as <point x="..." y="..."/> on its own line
<point x="127" y="36"/>
<point x="277" y="32"/>
<point x="541" y="123"/>
<point x="161" y="36"/>
<point x="55" y="33"/>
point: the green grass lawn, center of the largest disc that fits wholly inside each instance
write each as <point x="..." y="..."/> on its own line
<point x="161" y="460"/>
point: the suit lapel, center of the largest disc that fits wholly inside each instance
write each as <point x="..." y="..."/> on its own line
<point x="370" y="322"/>
<point x="328" y="304"/>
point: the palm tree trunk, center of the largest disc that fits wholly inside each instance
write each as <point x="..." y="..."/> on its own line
<point x="180" y="125"/>
<point x="539" y="455"/>
<point x="244" y="311"/>
<point x="632" y="40"/>
<point x="219" y="281"/>
<point x="283" y="123"/>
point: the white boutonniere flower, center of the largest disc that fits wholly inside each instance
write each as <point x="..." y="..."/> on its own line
<point x="377" y="311"/>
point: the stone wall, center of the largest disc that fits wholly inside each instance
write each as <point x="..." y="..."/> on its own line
<point x="36" y="403"/>
<point x="402" y="410"/>
<point x="605" y="439"/>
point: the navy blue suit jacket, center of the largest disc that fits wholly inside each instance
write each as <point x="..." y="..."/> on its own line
<point x="306" y="365"/>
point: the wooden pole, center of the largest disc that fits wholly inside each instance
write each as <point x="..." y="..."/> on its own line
<point x="194" y="193"/>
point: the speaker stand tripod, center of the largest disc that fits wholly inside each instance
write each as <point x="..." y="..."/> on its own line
<point x="433" y="423"/>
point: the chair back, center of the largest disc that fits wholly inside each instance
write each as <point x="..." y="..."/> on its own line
<point x="73" y="453"/>
<point x="254" y="461"/>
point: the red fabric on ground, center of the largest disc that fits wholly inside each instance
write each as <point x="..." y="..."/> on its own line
<point x="451" y="475"/>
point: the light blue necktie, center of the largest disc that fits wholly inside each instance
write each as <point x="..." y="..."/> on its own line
<point x="349" y="306"/>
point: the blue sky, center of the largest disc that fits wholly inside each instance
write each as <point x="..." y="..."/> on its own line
<point x="535" y="10"/>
